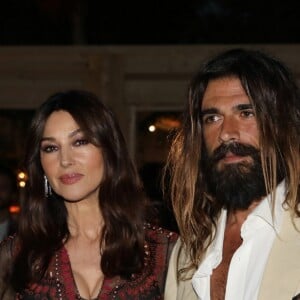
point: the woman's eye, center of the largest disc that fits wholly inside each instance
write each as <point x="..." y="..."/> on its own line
<point x="49" y="148"/>
<point x="81" y="142"/>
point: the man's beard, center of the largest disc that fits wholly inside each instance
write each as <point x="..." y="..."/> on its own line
<point x="237" y="185"/>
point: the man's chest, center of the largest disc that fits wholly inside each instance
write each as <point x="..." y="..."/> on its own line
<point x="232" y="242"/>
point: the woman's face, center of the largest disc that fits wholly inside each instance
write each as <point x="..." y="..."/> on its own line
<point x="74" y="167"/>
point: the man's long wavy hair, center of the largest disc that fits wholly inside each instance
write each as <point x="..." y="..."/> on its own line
<point x="43" y="221"/>
<point x="275" y="98"/>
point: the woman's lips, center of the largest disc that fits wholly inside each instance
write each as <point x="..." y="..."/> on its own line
<point x="70" y="178"/>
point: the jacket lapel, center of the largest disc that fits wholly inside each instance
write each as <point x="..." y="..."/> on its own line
<point x="182" y="289"/>
<point x="281" y="279"/>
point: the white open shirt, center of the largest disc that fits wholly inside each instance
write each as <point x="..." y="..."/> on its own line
<point x="248" y="262"/>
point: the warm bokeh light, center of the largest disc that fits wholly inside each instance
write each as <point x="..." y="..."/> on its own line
<point x="21" y="175"/>
<point x="152" y="128"/>
<point x="22" y="184"/>
<point x="14" y="209"/>
<point x="22" y="178"/>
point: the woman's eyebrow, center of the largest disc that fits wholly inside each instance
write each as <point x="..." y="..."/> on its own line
<point x="73" y="133"/>
<point x="70" y="135"/>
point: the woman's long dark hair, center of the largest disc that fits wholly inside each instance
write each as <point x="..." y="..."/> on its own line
<point x="43" y="219"/>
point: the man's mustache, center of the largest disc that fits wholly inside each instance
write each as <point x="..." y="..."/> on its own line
<point x="234" y="148"/>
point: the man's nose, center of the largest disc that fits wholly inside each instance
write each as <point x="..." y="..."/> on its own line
<point x="229" y="131"/>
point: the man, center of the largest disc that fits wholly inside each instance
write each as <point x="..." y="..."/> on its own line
<point x="234" y="187"/>
<point x="7" y="191"/>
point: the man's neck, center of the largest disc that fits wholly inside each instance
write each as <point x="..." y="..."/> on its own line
<point x="238" y="217"/>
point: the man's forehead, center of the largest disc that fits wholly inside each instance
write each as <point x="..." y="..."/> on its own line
<point x="224" y="91"/>
<point x="226" y="85"/>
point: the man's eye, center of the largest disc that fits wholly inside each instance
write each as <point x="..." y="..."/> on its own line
<point x="81" y="142"/>
<point x="48" y="148"/>
<point x="248" y="113"/>
<point x="210" y="119"/>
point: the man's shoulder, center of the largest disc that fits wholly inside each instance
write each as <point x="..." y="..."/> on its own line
<point x="283" y="265"/>
<point x="181" y="258"/>
<point x="179" y="288"/>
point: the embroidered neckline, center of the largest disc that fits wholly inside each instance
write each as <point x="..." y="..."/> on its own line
<point x="65" y="282"/>
<point x="71" y="289"/>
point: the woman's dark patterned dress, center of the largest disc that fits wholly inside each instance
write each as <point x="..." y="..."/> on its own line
<point x="58" y="282"/>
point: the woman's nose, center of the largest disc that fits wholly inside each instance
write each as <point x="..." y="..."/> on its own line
<point x="66" y="158"/>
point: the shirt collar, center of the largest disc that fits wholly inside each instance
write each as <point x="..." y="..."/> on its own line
<point x="262" y="211"/>
<point x="265" y="212"/>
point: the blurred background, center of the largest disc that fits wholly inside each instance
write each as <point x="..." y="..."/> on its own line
<point x="94" y="22"/>
<point x="137" y="57"/>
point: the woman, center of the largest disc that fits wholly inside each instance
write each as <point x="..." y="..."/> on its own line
<point x="82" y="233"/>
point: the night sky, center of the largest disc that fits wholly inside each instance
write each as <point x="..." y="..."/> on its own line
<point x="96" y="22"/>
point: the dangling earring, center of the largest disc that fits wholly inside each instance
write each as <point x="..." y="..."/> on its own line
<point x="47" y="187"/>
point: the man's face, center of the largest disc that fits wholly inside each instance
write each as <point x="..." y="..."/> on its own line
<point x="231" y="138"/>
<point x="228" y="116"/>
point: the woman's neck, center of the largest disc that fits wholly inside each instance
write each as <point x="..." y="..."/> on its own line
<point x="85" y="220"/>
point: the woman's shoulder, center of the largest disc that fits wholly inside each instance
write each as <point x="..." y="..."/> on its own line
<point x="8" y="249"/>
<point x="8" y="246"/>
<point x="159" y="243"/>
<point x="159" y="235"/>
<point x="7" y="252"/>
